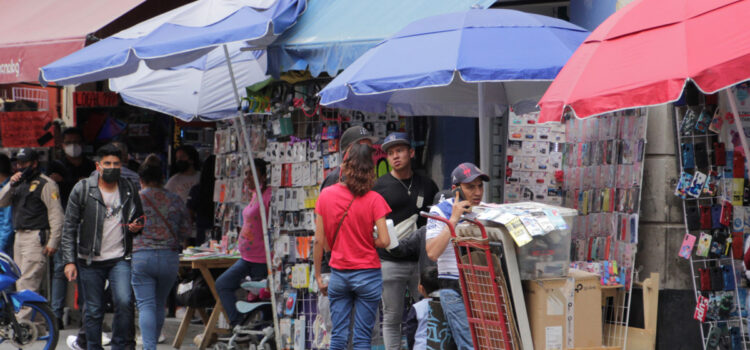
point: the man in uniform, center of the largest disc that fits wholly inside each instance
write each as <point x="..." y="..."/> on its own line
<point x="407" y="193"/>
<point x="37" y="218"/>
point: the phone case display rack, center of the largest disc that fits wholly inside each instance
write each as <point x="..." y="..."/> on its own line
<point x="534" y="160"/>
<point x="603" y="171"/>
<point x="712" y="183"/>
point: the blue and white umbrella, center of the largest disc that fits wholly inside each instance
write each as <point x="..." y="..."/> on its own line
<point x="175" y="38"/>
<point x="473" y="63"/>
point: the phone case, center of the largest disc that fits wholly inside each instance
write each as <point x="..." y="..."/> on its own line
<point x="717" y="278"/>
<point x="701" y="155"/>
<point x="705" y="217"/>
<point x="688" y="156"/>
<point x="704" y="244"/>
<point x="693" y="218"/>
<point x="727" y="277"/>
<point x="737" y="244"/>
<point x="726" y="214"/>
<point x="716" y="216"/>
<point x="705" y="277"/>
<point x="717" y="250"/>
<point x="687" y="246"/>
<point x="696" y="186"/>
<point x="738" y="171"/>
<point x="719" y="154"/>
<point x="701" y="125"/>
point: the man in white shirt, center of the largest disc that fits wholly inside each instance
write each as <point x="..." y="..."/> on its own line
<point x="468" y="182"/>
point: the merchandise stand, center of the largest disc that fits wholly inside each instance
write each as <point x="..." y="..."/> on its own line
<point x="713" y="265"/>
<point x="603" y="165"/>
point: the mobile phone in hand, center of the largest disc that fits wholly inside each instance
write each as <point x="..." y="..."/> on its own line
<point x="460" y="192"/>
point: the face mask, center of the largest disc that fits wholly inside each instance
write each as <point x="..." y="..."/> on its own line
<point x="73" y="150"/>
<point x="110" y="175"/>
<point x="182" y="166"/>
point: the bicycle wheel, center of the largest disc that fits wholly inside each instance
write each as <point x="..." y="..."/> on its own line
<point x="39" y="325"/>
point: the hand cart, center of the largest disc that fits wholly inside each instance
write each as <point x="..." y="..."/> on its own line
<point x="484" y="290"/>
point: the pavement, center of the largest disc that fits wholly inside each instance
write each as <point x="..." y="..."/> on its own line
<point x="170" y="329"/>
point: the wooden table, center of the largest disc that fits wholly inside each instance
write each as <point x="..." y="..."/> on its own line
<point x="204" y="265"/>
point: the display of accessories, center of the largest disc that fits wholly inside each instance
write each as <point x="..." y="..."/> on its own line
<point x="712" y="187"/>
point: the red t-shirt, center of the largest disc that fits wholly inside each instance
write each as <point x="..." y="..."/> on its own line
<point x="354" y="247"/>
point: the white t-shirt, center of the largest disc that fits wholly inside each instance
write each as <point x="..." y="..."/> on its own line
<point x="446" y="263"/>
<point x="181" y="184"/>
<point x="112" y="233"/>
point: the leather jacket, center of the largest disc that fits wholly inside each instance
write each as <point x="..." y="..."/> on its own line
<point x="84" y="219"/>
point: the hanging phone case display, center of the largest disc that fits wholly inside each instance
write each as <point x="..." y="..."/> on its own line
<point x="603" y="166"/>
<point x="534" y="160"/>
<point x="713" y="188"/>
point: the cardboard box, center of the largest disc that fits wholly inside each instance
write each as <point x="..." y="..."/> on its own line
<point x="565" y="312"/>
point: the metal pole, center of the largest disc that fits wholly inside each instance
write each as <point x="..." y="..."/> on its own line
<point x="484" y="138"/>
<point x="743" y="139"/>
<point x="258" y="193"/>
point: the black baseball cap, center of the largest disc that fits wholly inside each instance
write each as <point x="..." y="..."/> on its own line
<point x="27" y="155"/>
<point x="395" y="138"/>
<point x="467" y="172"/>
<point x="355" y="134"/>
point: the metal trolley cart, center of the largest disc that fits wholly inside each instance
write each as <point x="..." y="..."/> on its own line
<point x="484" y="289"/>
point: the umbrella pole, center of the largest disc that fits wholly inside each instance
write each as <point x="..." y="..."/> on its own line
<point x="484" y="142"/>
<point x="258" y="193"/>
<point x="737" y="123"/>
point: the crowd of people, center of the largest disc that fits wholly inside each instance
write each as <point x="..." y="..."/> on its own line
<point x="105" y="224"/>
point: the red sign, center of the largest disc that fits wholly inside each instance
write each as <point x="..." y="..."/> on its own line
<point x="701" y="309"/>
<point x="23" y="129"/>
<point x="95" y="99"/>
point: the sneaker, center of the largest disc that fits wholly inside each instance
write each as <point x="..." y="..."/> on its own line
<point x="106" y="340"/>
<point x="162" y="338"/>
<point x="72" y="342"/>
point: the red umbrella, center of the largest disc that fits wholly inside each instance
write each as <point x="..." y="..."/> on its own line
<point x="645" y="53"/>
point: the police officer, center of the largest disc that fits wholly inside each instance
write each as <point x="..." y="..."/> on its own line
<point x="37" y="218"/>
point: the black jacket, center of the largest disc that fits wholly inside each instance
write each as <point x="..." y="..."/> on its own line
<point x="84" y="218"/>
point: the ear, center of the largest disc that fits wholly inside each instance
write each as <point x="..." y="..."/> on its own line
<point x="411" y="153"/>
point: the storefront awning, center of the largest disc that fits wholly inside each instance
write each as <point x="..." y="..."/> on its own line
<point x="36" y="33"/>
<point x="333" y="33"/>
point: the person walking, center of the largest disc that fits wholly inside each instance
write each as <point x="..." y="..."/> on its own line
<point x="405" y="192"/>
<point x="103" y="214"/>
<point x="346" y="213"/>
<point x="156" y="250"/>
<point x="37" y="218"/>
<point x="250" y="243"/>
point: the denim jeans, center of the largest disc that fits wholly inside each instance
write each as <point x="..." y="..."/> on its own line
<point x="59" y="286"/>
<point x="397" y="276"/>
<point x="360" y="290"/>
<point x="455" y="312"/>
<point x="230" y="280"/>
<point x="92" y="280"/>
<point x="154" y="274"/>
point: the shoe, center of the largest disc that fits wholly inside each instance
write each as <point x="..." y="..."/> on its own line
<point x="106" y="340"/>
<point x="72" y="342"/>
<point x="162" y="338"/>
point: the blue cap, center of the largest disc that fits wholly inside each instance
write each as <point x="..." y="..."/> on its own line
<point x="467" y="172"/>
<point x="395" y="138"/>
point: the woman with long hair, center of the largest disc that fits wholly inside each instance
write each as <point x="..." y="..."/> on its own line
<point x="346" y="214"/>
<point x="156" y="250"/>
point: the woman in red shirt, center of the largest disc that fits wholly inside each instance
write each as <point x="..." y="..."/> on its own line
<point x="347" y="213"/>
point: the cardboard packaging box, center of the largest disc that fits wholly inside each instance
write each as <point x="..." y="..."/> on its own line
<point x="565" y="313"/>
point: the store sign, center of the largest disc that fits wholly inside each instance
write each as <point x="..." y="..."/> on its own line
<point x="95" y="99"/>
<point x="11" y="68"/>
<point x="25" y="129"/>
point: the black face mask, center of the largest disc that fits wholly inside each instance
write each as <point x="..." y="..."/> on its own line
<point x="182" y="166"/>
<point x="110" y="175"/>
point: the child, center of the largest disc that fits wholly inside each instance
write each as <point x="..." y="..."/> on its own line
<point x="415" y="326"/>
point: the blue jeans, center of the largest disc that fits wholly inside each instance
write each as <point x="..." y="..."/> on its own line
<point x="92" y="280"/>
<point x="358" y="289"/>
<point x="230" y="280"/>
<point x="154" y="274"/>
<point x="59" y="286"/>
<point x="455" y="312"/>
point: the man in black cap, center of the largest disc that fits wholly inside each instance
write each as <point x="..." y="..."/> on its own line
<point x="407" y="193"/>
<point x="468" y="183"/>
<point x="355" y="134"/>
<point x="37" y="218"/>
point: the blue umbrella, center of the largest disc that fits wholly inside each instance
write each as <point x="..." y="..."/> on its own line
<point x="427" y="68"/>
<point x="472" y="63"/>
<point x="175" y="38"/>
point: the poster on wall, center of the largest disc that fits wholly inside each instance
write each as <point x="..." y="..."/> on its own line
<point x="26" y="129"/>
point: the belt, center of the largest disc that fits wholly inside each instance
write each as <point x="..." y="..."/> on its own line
<point x="446" y="283"/>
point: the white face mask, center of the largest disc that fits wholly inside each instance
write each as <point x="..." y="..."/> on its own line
<point x="73" y="150"/>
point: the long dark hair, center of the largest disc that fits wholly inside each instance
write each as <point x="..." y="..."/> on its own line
<point x="358" y="169"/>
<point x="151" y="171"/>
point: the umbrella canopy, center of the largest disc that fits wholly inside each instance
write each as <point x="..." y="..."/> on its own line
<point x="175" y="38"/>
<point x="446" y="53"/>
<point x="645" y="53"/>
<point x="198" y="89"/>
